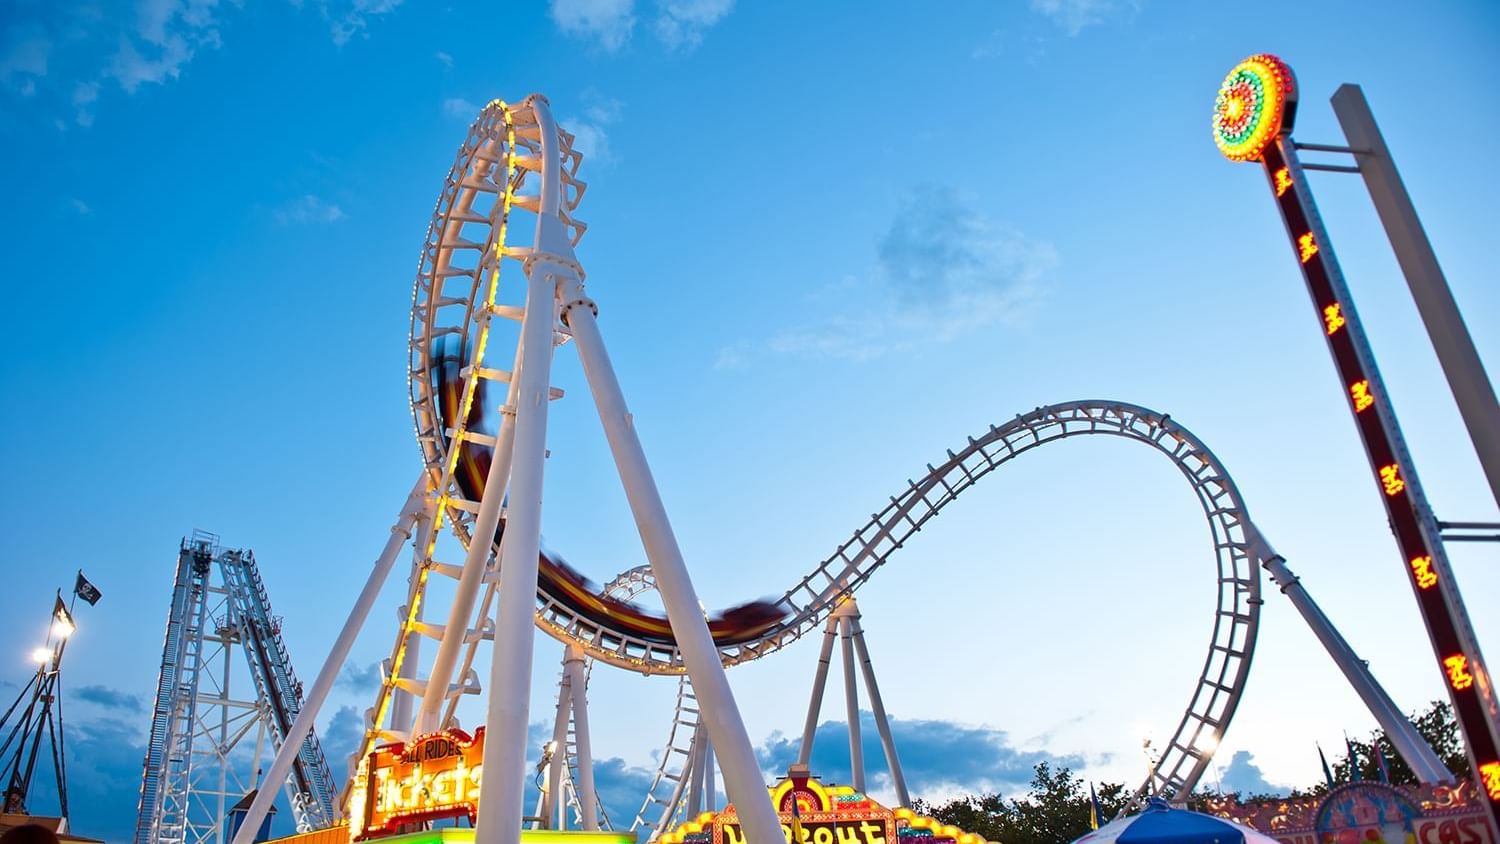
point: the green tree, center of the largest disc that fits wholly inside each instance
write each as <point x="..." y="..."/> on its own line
<point x="1054" y="811"/>
<point x="1056" y="808"/>
<point x="1437" y="725"/>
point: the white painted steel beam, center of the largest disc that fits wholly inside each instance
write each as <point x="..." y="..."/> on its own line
<point x="721" y="715"/>
<point x="1424" y="276"/>
<point x="291" y="743"/>
<point x="877" y="706"/>
<point x="587" y="797"/>
<point x="820" y="682"/>
<point x="1419" y="756"/>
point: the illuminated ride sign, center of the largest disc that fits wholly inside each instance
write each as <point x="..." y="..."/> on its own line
<point x="1253" y="116"/>
<point x="824" y="815"/>
<point x="429" y="778"/>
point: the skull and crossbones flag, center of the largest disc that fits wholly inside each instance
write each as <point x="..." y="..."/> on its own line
<point x="85" y="590"/>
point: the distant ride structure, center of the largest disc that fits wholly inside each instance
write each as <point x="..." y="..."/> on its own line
<point x="34" y="719"/>
<point x="226" y="696"/>
<point x="1254" y="114"/>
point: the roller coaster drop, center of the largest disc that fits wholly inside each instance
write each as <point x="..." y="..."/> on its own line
<point x="483" y="480"/>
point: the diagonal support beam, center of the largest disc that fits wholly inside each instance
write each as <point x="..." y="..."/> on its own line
<point x="291" y="744"/>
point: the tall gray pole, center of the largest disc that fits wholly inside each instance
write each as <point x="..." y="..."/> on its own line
<point x="554" y="778"/>
<point x="721" y="715"/>
<point x="820" y="682"/>
<point x="587" y="797"/>
<point x="1429" y="289"/>
<point x="851" y="705"/>
<point x="1402" y="735"/>
<point x="882" y="723"/>
<point x="502" y="789"/>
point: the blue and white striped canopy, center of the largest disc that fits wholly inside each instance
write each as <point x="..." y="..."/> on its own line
<point x="1162" y="824"/>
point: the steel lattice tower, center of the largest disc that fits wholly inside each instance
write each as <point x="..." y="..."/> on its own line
<point x="211" y="722"/>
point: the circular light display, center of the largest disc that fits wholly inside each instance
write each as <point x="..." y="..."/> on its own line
<point x="1250" y="108"/>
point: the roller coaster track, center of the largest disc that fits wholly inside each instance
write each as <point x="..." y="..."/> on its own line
<point x="457" y="301"/>
<point x="1236" y="618"/>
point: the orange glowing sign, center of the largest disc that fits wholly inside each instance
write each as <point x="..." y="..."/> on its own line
<point x="1333" y="317"/>
<point x="1458" y="672"/>
<point x="1360" y="392"/>
<point x="1421" y="568"/>
<point x="1489" y="774"/>
<point x="432" y="776"/>
<point x="824" y="814"/>
<point x="1283" y="180"/>
<point x="1306" y="247"/>
<point x="1390" y="479"/>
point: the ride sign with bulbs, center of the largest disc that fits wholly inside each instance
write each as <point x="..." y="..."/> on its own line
<point x="1252" y="121"/>
<point x="431" y="777"/>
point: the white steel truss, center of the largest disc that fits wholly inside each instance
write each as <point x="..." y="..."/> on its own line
<point x="225" y="696"/>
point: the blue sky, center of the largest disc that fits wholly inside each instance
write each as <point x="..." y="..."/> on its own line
<point x="828" y="242"/>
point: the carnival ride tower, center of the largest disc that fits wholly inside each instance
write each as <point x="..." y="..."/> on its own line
<point x="211" y="723"/>
<point x="41" y="719"/>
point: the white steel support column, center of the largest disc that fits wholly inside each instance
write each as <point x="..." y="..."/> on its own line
<point x="558" y="763"/>
<point x="291" y="743"/>
<point x="587" y="797"/>
<point x="693" y="770"/>
<point x="882" y="724"/>
<point x="710" y="800"/>
<point x="501" y="791"/>
<point x="820" y="682"/>
<point x="721" y="715"/>
<point x="475" y="561"/>
<point x="401" y="699"/>
<point x="851" y="703"/>
<point x="1424" y="276"/>
<point x="1423" y="762"/>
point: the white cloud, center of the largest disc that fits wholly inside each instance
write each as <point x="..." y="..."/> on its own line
<point x="81" y="207"/>
<point x="356" y="18"/>
<point x="681" y="23"/>
<point x="135" y="43"/>
<point x="307" y="209"/>
<point x="946" y="271"/>
<point x="460" y="108"/>
<point x="732" y="357"/>
<point x="131" y="69"/>
<point x="443" y="57"/>
<point x="171" y="32"/>
<point x="24" y="58"/>
<point x="1074" y="15"/>
<point x="589" y="134"/>
<point x="84" y="95"/>
<point x="608" y="22"/>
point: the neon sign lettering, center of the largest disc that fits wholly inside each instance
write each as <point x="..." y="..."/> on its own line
<point x="814" y="813"/>
<point x="1421" y="568"/>
<point x="1458" y="672"/>
<point x="1390" y="479"/>
<point x="1489" y="774"/>
<point x="433" y="776"/>
<point x="1333" y="317"/>
<point x="815" y="832"/>
<point x="1283" y="180"/>
<point x="1360" y="392"/>
<point x="1306" y="247"/>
